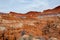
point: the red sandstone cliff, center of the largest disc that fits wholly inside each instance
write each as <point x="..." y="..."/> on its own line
<point x="46" y="23"/>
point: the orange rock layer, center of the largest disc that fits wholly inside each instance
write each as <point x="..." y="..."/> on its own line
<point x="46" y="23"/>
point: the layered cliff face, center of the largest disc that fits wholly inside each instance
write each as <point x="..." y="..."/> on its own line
<point x="44" y="24"/>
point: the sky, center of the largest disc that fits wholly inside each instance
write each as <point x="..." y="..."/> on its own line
<point x="23" y="6"/>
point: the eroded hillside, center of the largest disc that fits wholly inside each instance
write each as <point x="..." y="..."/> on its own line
<point x="38" y="25"/>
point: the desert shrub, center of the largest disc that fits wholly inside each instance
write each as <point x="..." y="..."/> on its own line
<point x="40" y="38"/>
<point x="30" y="37"/>
<point x="23" y="32"/>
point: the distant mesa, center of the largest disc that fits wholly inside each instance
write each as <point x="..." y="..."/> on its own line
<point x="49" y="11"/>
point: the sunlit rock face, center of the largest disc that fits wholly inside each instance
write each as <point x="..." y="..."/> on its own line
<point x="46" y="24"/>
<point x="2" y="28"/>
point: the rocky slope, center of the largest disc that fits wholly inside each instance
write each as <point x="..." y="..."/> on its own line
<point x="44" y="24"/>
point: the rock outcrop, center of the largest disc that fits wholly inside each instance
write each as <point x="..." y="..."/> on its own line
<point x="38" y="24"/>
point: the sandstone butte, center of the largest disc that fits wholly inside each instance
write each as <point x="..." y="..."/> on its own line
<point x="46" y="23"/>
